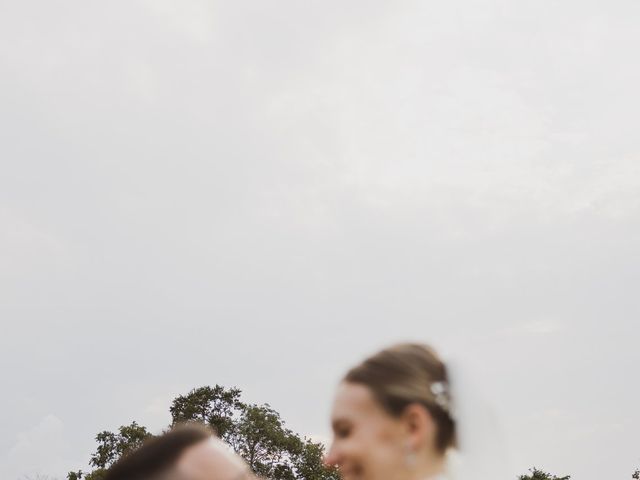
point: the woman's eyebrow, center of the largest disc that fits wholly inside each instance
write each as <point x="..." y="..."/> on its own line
<point x="339" y="422"/>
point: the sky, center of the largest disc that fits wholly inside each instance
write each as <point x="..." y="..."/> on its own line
<point x="259" y="194"/>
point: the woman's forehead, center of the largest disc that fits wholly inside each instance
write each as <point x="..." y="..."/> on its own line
<point x="353" y="399"/>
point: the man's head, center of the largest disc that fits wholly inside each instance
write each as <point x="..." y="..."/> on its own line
<point x="187" y="452"/>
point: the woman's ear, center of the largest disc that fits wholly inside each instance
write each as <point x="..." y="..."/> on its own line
<point x="418" y="424"/>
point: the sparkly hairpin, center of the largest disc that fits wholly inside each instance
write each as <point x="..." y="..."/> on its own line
<point x="440" y="392"/>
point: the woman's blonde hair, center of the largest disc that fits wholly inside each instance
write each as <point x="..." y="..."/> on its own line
<point x="410" y="373"/>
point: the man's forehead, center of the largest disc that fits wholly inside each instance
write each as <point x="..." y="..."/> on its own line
<point x="211" y="459"/>
<point x="216" y="444"/>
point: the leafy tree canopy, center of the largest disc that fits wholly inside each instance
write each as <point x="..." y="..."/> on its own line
<point x="255" y="432"/>
<point x="112" y="446"/>
<point x="214" y="406"/>
<point x="537" y="474"/>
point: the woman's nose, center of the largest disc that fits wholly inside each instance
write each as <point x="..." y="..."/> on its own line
<point x="331" y="458"/>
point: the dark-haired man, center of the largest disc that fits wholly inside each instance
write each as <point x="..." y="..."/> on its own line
<point x="188" y="452"/>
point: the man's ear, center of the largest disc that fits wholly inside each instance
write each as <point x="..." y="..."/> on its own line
<point x="418" y="424"/>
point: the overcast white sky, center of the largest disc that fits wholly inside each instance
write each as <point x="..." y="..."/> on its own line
<point x="259" y="193"/>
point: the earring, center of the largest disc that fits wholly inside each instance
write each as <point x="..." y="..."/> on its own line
<point x="410" y="458"/>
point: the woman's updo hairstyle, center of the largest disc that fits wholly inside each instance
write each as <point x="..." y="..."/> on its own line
<point x="410" y="373"/>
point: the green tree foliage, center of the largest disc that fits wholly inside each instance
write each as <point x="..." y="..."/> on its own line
<point x="536" y="474"/>
<point x="263" y="441"/>
<point x="214" y="406"/>
<point x="97" y="474"/>
<point x="255" y="432"/>
<point x="308" y="464"/>
<point x="112" y="446"/>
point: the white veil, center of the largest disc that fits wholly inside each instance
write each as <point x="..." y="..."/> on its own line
<point x="482" y="452"/>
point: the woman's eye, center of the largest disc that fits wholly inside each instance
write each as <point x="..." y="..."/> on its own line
<point x="342" y="432"/>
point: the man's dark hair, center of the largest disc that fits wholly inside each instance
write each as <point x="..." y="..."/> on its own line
<point x="155" y="458"/>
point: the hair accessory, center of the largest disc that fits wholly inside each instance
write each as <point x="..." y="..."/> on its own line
<point x="440" y="392"/>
